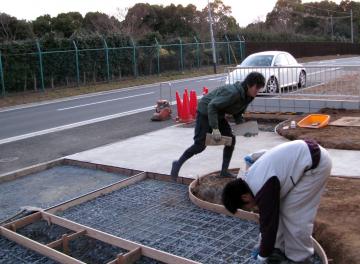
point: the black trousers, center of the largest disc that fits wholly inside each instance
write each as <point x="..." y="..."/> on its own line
<point x="201" y="128"/>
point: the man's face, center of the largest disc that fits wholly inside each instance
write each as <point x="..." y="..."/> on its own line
<point x="253" y="90"/>
<point x="249" y="202"/>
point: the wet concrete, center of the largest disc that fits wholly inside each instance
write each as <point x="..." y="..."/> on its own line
<point x="50" y="187"/>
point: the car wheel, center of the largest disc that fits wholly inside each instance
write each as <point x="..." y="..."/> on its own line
<point x="272" y="85"/>
<point x="302" y="79"/>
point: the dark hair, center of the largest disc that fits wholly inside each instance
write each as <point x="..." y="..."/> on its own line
<point x="254" y="78"/>
<point x="231" y="196"/>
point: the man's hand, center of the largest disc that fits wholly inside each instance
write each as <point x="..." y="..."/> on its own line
<point x="216" y="134"/>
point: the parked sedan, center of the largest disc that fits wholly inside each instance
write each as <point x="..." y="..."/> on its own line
<point x="279" y="68"/>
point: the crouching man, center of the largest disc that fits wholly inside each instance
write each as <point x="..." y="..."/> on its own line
<point x="286" y="184"/>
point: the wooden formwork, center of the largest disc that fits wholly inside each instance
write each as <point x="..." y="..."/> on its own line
<point x="136" y="250"/>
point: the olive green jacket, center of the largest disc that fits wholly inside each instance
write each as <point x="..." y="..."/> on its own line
<point x="228" y="99"/>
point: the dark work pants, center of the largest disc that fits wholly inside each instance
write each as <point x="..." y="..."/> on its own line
<point x="201" y="128"/>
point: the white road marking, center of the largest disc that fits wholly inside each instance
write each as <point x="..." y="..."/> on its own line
<point x="334" y="69"/>
<point x="105" y="101"/>
<point x="120" y="90"/>
<point x="77" y="124"/>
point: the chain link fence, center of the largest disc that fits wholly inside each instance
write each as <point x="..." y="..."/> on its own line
<point x="78" y="64"/>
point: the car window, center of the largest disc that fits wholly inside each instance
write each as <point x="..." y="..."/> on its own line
<point x="281" y="60"/>
<point x="258" y="60"/>
<point x="291" y="59"/>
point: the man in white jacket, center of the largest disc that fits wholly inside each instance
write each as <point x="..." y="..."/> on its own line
<point x="286" y="184"/>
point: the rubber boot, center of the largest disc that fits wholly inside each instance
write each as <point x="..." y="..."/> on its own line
<point x="225" y="165"/>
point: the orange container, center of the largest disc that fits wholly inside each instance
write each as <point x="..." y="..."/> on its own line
<point x="314" y="121"/>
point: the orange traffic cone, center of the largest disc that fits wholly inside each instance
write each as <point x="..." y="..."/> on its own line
<point x="193" y="103"/>
<point x="186" y="117"/>
<point x="179" y="105"/>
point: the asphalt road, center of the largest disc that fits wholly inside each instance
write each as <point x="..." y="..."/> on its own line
<point x="41" y="132"/>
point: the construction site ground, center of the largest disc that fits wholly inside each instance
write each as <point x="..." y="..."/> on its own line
<point x="339" y="214"/>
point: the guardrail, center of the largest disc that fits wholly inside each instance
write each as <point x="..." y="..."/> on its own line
<point x="324" y="81"/>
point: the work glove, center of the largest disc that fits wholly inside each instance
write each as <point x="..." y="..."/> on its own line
<point x="248" y="161"/>
<point x="216" y="134"/>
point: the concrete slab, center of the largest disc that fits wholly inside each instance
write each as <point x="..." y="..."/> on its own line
<point x="155" y="152"/>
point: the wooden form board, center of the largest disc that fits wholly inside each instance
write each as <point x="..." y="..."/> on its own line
<point x="135" y="250"/>
<point x="9" y="230"/>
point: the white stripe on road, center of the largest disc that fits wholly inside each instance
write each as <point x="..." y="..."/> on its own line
<point x="334" y="69"/>
<point x="105" y="101"/>
<point x="78" y="124"/>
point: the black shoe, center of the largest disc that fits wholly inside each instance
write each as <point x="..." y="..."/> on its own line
<point x="276" y="257"/>
<point x="175" y="170"/>
<point x="226" y="174"/>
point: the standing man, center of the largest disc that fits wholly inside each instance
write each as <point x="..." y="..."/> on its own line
<point x="286" y="184"/>
<point x="229" y="99"/>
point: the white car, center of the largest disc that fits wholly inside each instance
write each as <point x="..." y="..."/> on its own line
<point x="279" y="68"/>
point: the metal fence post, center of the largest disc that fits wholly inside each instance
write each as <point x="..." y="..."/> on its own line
<point x="134" y="57"/>
<point x="240" y="47"/>
<point x="158" y="55"/>
<point x="77" y="63"/>
<point x="107" y="60"/>
<point x="2" y="77"/>
<point x="41" y="65"/>
<point x="197" y="52"/>
<point x="181" y="55"/>
<point x="228" y="49"/>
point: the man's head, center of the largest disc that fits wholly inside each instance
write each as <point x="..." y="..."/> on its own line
<point x="237" y="195"/>
<point x="254" y="82"/>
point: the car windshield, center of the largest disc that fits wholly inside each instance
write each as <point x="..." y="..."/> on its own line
<point x="259" y="60"/>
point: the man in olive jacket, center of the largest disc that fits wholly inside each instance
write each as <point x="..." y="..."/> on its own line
<point x="228" y="99"/>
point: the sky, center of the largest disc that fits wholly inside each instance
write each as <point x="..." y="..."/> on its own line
<point x="244" y="11"/>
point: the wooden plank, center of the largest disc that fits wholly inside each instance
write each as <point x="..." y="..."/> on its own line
<point x="128" y="258"/>
<point x="29" y="170"/>
<point x="39" y="248"/>
<point x="107" y="189"/>
<point x="70" y="237"/>
<point x="117" y="241"/>
<point x="27" y="220"/>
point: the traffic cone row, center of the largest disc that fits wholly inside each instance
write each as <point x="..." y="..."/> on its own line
<point x="187" y="107"/>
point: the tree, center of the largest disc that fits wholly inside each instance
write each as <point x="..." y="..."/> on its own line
<point x="66" y="24"/>
<point x="100" y="23"/>
<point x="42" y="25"/>
<point x="14" y="29"/>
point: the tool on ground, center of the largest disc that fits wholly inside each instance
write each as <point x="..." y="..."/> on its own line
<point x="246" y="129"/>
<point x="210" y="141"/>
<point x="24" y="211"/>
<point x="162" y="111"/>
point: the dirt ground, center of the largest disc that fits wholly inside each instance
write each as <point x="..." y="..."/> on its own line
<point x="337" y="223"/>
<point x="330" y="136"/>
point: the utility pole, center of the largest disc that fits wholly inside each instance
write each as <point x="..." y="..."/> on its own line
<point x="332" y="28"/>
<point x="352" y="26"/>
<point x="212" y="38"/>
